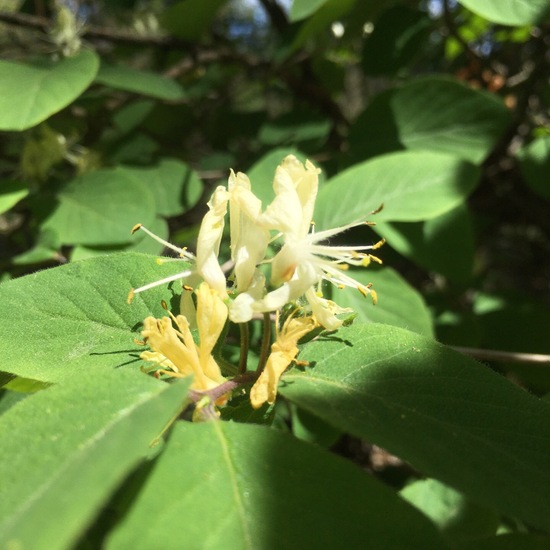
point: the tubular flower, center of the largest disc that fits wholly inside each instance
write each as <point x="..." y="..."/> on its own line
<point x="248" y="239"/>
<point x="283" y="351"/>
<point x="173" y="348"/>
<point x="208" y="245"/>
<point x="303" y="262"/>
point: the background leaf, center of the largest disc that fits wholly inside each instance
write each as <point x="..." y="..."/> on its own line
<point x="534" y="163"/>
<point x="191" y="18"/>
<point x="11" y="192"/>
<point x="450" y="417"/>
<point x="175" y="185"/>
<point x="456" y="516"/>
<point x="240" y="486"/>
<point x="412" y="185"/>
<point x="29" y="94"/>
<point x="146" y="83"/>
<point x="83" y="216"/>
<point x="300" y="9"/>
<point x="430" y="113"/>
<point x="87" y="434"/>
<point x="398" y="303"/>
<point x="398" y="34"/>
<point x="444" y="244"/>
<point x="510" y="12"/>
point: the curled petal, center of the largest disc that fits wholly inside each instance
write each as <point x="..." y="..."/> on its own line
<point x="208" y="241"/>
<point x="249" y="240"/>
<point x="325" y="311"/>
<point x="283" y="351"/>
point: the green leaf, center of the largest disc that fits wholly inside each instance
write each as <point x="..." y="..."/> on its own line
<point x="131" y="115"/>
<point x="87" y="435"/>
<point x="75" y="317"/>
<point x="510" y="12"/>
<point x="101" y="207"/>
<point x="398" y="303"/>
<point x="140" y="243"/>
<point x="176" y="186"/>
<point x="29" y="94"/>
<point x="398" y="36"/>
<point x="229" y="485"/>
<point x="300" y="125"/>
<point x="450" y="417"/>
<point x="428" y="243"/>
<point x="311" y="428"/>
<point x="412" y="185"/>
<point x="534" y="163"/>
<point x="191" y="19"/>
<point x="300" y="9"/>
<point x="11" y="192"/>
<point x="456" y="516"/>
<point x="45" y="249"/>
<point x="431" y="113"/>
<point x="142" y="82"/>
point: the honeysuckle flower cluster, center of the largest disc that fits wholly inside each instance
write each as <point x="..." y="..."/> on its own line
<point x="240" y="290"/>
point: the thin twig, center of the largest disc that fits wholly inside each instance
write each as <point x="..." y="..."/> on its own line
<point x="245" y="344"/>
<point x="222" y="389"/>
<point x="44" y="23"/>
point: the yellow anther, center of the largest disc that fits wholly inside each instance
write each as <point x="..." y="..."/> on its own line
<point x="363" y="291"/>
<point x="136" y="227"/>
<point x="130" y="296"/>
<point x="380" y="243"/>
<point x="164" y="305"/>
<point x="375" y="259"/>
<point x="374" y="297"/>
<point x="188" y="288"/>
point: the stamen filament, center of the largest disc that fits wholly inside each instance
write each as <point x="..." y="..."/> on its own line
<point x="181" y="251"/>
<point x="169" y="279"/>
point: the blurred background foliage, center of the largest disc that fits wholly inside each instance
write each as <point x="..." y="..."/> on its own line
<point x="113" y="113"/>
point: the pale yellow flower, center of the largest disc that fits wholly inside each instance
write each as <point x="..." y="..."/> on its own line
<point x="303" y="263"/>
<point x="283" y="351"/>
<point x="249" y="239"/>
<point x="173" y="348"/>
<point x="208" y="246"/>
